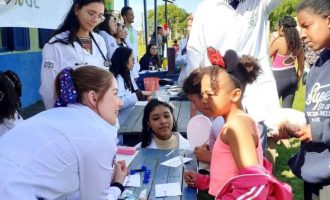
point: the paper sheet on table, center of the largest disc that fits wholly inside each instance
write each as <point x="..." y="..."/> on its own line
<point x="176" y="161"/>
<point x="128" y="158"/>
<point x="141" y="103"/>
<point x="133" y="180"/>
<point x="168" y="190"/>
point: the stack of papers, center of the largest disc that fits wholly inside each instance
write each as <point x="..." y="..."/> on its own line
<point x="176" y="161"/>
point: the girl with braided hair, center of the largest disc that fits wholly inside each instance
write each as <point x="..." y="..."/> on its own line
<point x="286" y="50"/>
<point x="10" y="94"/>
<point x="237" y="152"/>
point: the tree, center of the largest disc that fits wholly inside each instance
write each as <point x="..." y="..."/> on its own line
<point x="176" y="18"/>
<point x="286" y="8"/>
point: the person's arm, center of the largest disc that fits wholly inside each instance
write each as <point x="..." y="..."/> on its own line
<point x="196" y="47"/>
<point x="127" y="97"/>
<point x="144" y="65"/>
<point x="273" y="48"/>
<point x="316" y="132"/>
<point x="301" y="62"/>
<point x="96" y="169"/>
<point x="49" y="71"/>
<point x="240" y="134"/>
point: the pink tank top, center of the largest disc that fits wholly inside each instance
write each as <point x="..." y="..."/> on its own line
<point x="223" y="166"/>
<point x="283" y="62"/>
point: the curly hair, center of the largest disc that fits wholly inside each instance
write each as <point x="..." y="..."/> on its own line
<point x="245" y="71"/>
<point x="291" y="35"/>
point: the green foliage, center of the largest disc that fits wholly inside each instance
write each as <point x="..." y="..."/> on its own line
<point x="286" y="8"/>
<point x="176" y="18"/>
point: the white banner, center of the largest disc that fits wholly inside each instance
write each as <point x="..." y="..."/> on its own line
<point x="33" y="13"/>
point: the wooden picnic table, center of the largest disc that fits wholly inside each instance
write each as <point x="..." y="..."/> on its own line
<point x="133" y="125"/>
<point x="151" y="158"/>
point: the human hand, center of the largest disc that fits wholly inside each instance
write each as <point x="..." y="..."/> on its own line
<point x="190" y="177"/>
<point x="120" y="172"/>
<point x="283" y="133"/>
<point x="304" y="134"/>
<point x="146" y="93"/>
<point x="203" y="153"/>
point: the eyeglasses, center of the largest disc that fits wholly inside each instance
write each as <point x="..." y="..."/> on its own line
<point x="94" y="14"/>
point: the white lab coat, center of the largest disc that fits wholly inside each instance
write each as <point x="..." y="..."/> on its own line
<point x="58" y="56"/>
<point x="128" y="98"/>
<point x="181" y="60"/>
<point x="244" y="30"/>
<point x="57" y="153"/>
<point x="110" y="43"/>
<point x="183" y="143"/>
<point x="134" y="46"/>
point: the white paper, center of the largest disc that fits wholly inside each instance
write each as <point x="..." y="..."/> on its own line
<point x="176" y="161"/>
<point x="127" y="158"/>
<point x="133" y="180"/>
<point x="141" y="103"/>
<point x="168" y="190"/>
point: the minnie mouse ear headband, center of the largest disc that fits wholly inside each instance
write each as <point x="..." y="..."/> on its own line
<point x="67" y="92"/>
<point x="229" y="62"/>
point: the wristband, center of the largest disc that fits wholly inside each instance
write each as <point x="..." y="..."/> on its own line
<point x="118" y="185"/>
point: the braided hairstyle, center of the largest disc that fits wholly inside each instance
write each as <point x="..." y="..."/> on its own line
<point x="10" y="93"/>
<point x="291" y="35"/>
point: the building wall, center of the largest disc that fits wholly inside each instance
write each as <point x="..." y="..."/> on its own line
<point x="27" y="66"/>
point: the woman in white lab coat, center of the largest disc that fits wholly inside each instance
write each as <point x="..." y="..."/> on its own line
<point x="108" y="29"/>
<point x="122" y="63"/>
<point x="74" y="45"/>
<point x="69" y="149"/>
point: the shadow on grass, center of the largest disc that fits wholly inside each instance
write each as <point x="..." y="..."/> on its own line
<point x="283" y="171"/>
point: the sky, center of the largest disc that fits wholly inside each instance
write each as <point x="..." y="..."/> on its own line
<point x="137" y="5"/>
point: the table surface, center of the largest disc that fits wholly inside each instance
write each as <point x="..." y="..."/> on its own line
<point x="133" y="125"/>
<point x="151" y="158"/>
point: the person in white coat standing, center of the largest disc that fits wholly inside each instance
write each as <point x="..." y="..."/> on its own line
<point x="108" y="29"/>
<point x="74" y="45"/>
<point x="240" y="25"/>
<point x="131" y="38"/>
<point x="69" y="149"/>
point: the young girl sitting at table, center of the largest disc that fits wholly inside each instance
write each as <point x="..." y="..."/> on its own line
<point x="237" y="149"/>
<point x="159" y="128"/>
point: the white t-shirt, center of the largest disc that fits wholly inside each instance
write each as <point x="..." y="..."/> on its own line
<point x="110" y="43"/>
<point x="57" y="56"/>
<point x="56" y="153"/>
<point x="10" y="123"/>
<point x="244" y="30"/>
<point x="132" y="42"/>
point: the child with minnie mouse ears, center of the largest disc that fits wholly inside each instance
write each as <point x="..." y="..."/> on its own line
<point x="237" y="150"/>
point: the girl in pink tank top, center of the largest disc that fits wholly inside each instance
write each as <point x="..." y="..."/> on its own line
<point x="237" y="147"/>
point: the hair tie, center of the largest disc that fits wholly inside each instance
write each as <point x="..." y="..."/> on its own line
<point x="68" y="93"/>
<point x="215" y="57"/>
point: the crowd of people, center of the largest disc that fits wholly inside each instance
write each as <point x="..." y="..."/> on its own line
<point x="88" y="86"/>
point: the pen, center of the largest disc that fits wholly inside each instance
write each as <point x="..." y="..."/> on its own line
<point x="170" y="153"/>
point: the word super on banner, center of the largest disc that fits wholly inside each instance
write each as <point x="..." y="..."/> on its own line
<point x="33" y="13"/>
